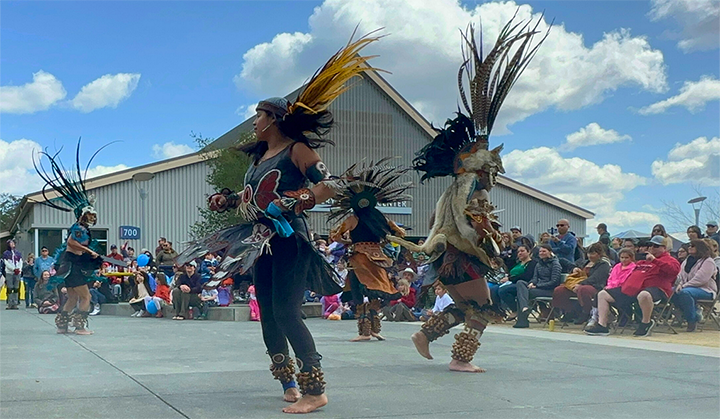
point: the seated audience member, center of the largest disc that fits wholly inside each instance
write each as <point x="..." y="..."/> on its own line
<point x="330" y="303"/>
<point x="311" y="297"/>
<point x="100" y="293"/>
<point x="442" y="300"/>
<point x="714" y="250"/>
<point x="207" y="267"/>
<point x="643" y="248"/>
<point x="141" y="290"/>
<point x="563" y="245"/>
<point x="161" y="296"/>
<point x="659" y="230"/>
<point x="711" y="231"/>
<point x="254" y="305"/>
<point x="618" y="275"/>
<point x="584" y="284"/>
<point x="46" y="299"/>
<point x="522" y="271"/>
<point x="694" y="233"/>
<point x="516" y="234"/>
<point x="630" y="244"/>
<point x="544" y="239"/>
<point x="495" y="277"/>
<point x="696" y="281"/>
<point x="188" y="291"/>
<point x="617" y="244"/>
<point x="400" y="310"/>
<point x="682" y="253"/>
<point x="545" y="278"/>
<point x="508" y="253"/>
<point x="209" y="298"/>
<point x="651" y="280"/>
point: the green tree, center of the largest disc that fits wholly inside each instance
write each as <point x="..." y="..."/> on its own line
<point x="9" y="207"/>
<point x="227" y="170"/>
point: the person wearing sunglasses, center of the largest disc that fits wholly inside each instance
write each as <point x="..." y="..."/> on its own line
<point x="564" y="243"/>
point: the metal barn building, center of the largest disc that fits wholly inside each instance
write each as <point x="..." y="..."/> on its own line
<point x="373" y="121"/>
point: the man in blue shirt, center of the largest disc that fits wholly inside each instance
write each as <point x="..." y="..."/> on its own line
<point x="43" y="263"/>
<point x="564" y="243"/>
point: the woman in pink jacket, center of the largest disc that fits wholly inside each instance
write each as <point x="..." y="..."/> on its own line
<point x="619" y="273"/>
<point x="696" y="281"/>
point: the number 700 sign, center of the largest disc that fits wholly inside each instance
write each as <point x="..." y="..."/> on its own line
<point x="129" y="233"/>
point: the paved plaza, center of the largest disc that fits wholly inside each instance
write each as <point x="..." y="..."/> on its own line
<point x="150" y="368"/>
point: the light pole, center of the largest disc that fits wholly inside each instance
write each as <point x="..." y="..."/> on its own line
<point x="699" y="200"/>
<point x="139" y="178"/>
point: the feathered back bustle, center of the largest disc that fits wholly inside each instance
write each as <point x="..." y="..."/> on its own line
<point x="364" y="187"/>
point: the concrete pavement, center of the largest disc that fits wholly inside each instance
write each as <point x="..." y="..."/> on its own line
<point x="159" y="368"/>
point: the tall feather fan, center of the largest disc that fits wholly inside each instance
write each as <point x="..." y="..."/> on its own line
<point x="328" y="82"/>
<point x="365" y="186"/>
<point x="68" y="184"/>
<point x="491" y="78"/>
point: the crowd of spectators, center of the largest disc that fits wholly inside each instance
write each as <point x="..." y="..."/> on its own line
<point x="582" y="283"/>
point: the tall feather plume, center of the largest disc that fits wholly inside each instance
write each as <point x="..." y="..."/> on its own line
<point x="377" y="183"/>
<point x="490" y="78"/>
<point x="69" y="185"/>
<point x="329" y="81"/>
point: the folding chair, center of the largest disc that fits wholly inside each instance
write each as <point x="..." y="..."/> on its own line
<point x="662" y="313"/>
<point x="709" y="311"/>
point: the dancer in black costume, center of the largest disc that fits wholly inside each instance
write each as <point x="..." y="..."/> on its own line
<point x="276" y="244"/>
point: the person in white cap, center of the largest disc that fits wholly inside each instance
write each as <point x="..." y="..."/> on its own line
<point x="711" y="230"/>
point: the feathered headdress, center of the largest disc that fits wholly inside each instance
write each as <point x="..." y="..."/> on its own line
<point x="328" y="82"/>
<point x="69" y="184"/>
<point x="363" y="187"/>
<point x="490" y="79"/>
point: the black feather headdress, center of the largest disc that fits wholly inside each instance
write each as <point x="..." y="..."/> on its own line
<point x="490" y="79"/>
<point x="68" y="184"/>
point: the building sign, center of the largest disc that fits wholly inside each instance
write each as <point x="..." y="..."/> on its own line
<point x="129" y="233"/>
<point x="394" y="208"/>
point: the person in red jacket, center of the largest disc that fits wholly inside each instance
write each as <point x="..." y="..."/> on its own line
<point x="650" y="282"/>
<point x="399" y="310"/>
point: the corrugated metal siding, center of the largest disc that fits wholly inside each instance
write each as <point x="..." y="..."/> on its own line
<point x="171" y="206"/>
<point x="370" y="125"/>
<point x="531" y="214"/>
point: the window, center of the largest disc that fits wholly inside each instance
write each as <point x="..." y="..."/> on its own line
<point x="101" y="237"/>
<point x="52" y="239"/>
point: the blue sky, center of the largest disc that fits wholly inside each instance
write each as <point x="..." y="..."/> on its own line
<point x="172" y="68"/>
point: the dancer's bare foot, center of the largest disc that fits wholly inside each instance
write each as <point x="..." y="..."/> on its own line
<point x="377" y="336"/>
<point x="422" y="344"/>
<point x="360" y="338"/>
<point x="291" y="395"/>
<point x="307" y="404"/>
<point x="456" y="365"/>
<point x="62" y="332"/>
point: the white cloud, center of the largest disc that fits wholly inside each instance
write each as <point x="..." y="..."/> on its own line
<point x="104" y="170"/>
<point x="44" y="91"/>
<point x="699" y="22"/>
<point x="593" y="134"/>
<point x="693" y="96"/>
<point x="425" y="55"/>
<point x="107" y="91"/>
<point x="246" y="111"/>
<point x="170" y="150"/>
<point x="696" y="161"/>
<point x="636" y="220"/>
<point x="576" y="180"/>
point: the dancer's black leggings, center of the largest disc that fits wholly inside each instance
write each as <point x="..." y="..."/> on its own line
<point x="280" y="280"/>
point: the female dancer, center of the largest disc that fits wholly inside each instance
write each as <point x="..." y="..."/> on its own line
<point x="276" y="244"/>
<point x="358" y="196"/>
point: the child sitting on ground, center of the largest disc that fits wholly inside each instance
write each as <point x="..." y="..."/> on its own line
<point x="254" y="306"/>
<point x="162" y="294"/>
<point x="209" y="298"/>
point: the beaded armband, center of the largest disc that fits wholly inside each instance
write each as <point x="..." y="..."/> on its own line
<point x="298" y="201"/>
